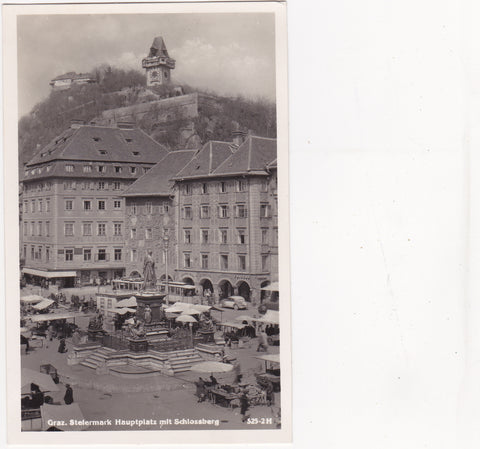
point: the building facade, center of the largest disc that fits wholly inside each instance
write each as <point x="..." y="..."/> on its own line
<point x="73" y="212"/>
<point x="228" y="220"/>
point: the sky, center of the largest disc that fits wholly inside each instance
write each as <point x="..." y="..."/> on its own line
<point x="228" y="54"/>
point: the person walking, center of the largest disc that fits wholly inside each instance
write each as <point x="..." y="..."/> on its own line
<point x="68" y="398"/>
<point x="244" y="405"/>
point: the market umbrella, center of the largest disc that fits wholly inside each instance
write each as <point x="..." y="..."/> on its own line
<point x="186" y="319"/>
<point x="60" y="414"/>
<point x="30" y="299"/>
<point x="174" y="309"/>
<point x="211" y="367"/>
<point x="129" y="302"/>
<point x="243" y="318"/>
<point x="44" y="381"/>
<point x="190" y="311"/>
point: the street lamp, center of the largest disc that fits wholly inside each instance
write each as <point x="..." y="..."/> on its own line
<point x="166" y="242"/>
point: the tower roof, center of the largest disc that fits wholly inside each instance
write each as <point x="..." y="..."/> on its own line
<point x="158" y="48"/>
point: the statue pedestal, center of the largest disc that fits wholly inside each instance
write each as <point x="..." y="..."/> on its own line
<point x="154" y="301"/>
<point x="95" y="334"/>
<point x="138" y="345"/>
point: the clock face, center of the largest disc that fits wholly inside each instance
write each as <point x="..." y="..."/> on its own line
<point x="154" y="74"/>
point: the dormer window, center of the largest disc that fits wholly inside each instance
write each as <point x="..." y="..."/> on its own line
<point x="136" y="153"/>
<point x="69" y="168"/>
<point x="133" y="170"/>
<point x="102" y="169"/>
<point x="127" y="139"/>
<point x="118" y="169"/>
<point x="102" y="152"/>
<point x="96" y="139"/>
<point x="87" y="168"/>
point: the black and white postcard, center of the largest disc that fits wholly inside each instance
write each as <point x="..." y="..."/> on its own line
<point x="147" y="223"/>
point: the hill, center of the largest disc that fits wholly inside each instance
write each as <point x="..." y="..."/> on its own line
<point x="215" y="119"/>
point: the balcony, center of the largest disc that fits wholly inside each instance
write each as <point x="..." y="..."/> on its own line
<point x="155" y="61"/>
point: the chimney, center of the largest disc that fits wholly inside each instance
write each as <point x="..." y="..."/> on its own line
<point x="238" y="137"/>
<point x="76" y="123"/>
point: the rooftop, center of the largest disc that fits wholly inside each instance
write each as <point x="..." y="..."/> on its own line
<point x="158" y="179"/>
<point x="101" y="144"/>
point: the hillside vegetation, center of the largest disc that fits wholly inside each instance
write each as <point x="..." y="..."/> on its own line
<point x="116" y="88"/>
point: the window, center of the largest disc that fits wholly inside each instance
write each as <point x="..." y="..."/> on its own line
<point x="101" y="229"/>
<point x="204" y="261"/>
<point x="148" y="233"/>
<point x="186" y="260"/>
<point x="133" y="170"/>
<point x="32" y="253"/>
<point x="69" y="168"/>
<point x="242" y="262"/>
<point x="223" y="187"/>
<point x="47" y="254"/>
<point x="223" y="211"/>
<point x="87" y="205"/>
<point x="102" y="254"/>
<point x="240" y="211"/>
<point x="101" y="169"/>
<point x="187" y="212"/>
<point x="134" y="209"/>
<point x="118" y="169"/>
<point x="241" y="185"/>
<point x="47" y="228"/>
<point x="87" y="169"/>
<point x="25" y="228"/>
<point x="187" y="236"/>
<point x="204" y="211"/>
<point x="25" y="206"/>
<point x="241" y="236"/>
<point x="117" y="204"/>
<point x="48" y="185"/>
<point x="223" y="236"/>
<point x="116" y="185"/>
<point x="117" y="229"/>
<point x="102" y="152"/>
<point x="148" y="207"/>
<point x="68" y="229"/>
<point x="264" y="236"/>
<point x="264" y="210"/>
<point x="87" y="228"/>
<point x="68" y="204"/>
<point x="101" y="185"/>
<point x="136" y="153"/>
<point x="145" y="169"/>
<point x="204" y="236"/>
<point x="33" y="205"/>
<point x="187" y="189"/>
<point x="69" y="185"/>
<point x="101" y="204"/>
<point x="133" y="255"/>
<point x="40" y="253"/>
<point x="39" y="227"/>
<point x="224" y="261"/>
<point x="264" y="185"/>
<point x="47" y="206"/>
<point x="96" y="139"/>
<point x="264" y="262"/>
<point x="117" y="254"/>
<point x="204" y="188"/>
<point x="24" y="251"/>
<point x="87" y="254"/>
<point x="40" y="206"/>
<point x="32" y="228"/>
<point x="165" y="209"/>
<point x="68" y="255"/>
<point x="133" y="233"/>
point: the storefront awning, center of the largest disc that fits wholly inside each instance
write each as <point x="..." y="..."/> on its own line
<point x="49" y="274"/>
<point x="52" y="317"/>
<point x="44" y="304"/>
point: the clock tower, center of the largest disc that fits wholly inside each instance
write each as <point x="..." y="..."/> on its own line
<point x="158" y="64"/>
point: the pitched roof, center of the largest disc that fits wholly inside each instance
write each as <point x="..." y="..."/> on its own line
<point x="97" y="143"/>
<point x="158" y="48"/>
<point x="252" y="157"/>
<point x="157" y="181"/>
<point x="73" y="76"/>
<point x="208" y="158"/>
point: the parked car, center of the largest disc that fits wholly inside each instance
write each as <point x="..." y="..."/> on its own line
<point x="234" y="302"/>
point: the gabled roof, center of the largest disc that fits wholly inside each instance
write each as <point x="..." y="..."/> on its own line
<point x="208" y="158"/>
<point x="97" y="143"/>
<point x="157" y="181"/>
<point x="252" y="156"/>
<point x="158" y="48"/>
